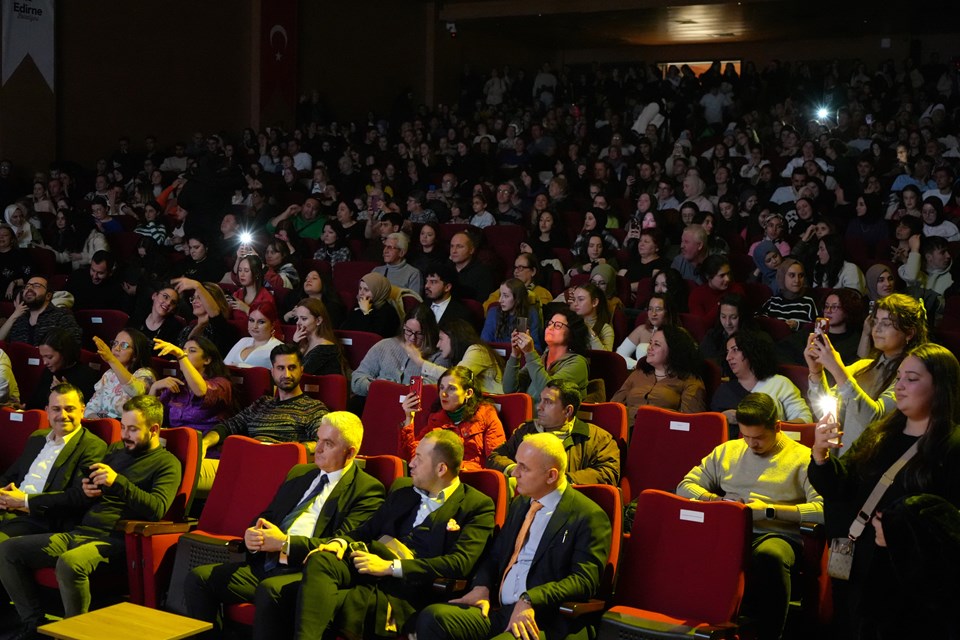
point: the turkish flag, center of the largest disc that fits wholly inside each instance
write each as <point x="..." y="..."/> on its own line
<point x="278" y="60"/>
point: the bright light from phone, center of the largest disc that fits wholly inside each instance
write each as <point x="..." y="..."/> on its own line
<point x="822" y="113"/>
<point x="828" y="406"/>
<point x="246" y="237"/>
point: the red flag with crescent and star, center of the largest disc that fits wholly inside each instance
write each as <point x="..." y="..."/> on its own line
<point x="278" y="60"/>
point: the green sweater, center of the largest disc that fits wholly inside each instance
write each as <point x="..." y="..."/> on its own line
<point x="779" y="478"/>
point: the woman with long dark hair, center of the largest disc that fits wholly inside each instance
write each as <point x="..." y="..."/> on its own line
<point x="864" y="391"/>
<point x="832" y="271"/>
<point x="513" y="305"/>
<point x="667" y="377"/>
<point x="319" y="347"/>
<point x="204" y="397"/>
<point x="129" y="373"/>
<point x="461" y="409"/>
<point x="899" y="587"/>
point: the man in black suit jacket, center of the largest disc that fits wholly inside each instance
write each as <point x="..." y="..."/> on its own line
<point x="434" y="528"/>
<point x="552" y="549"/>
<point x="52" y="461"/>
<point x="439" y="285"/>
<point x="293" y="524"/>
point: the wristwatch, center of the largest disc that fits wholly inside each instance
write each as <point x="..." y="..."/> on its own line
<point x="526" y="598"/>
<point x="771" y="513"/>
<point x="285" y="547"/>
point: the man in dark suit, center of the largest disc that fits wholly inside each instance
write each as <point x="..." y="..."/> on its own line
<point x="52" y="461"/>
<point x="552" y="549"/>
<point x="438" y="288"/>
<point x="317" y="501"/>
<point x="434" y="528"/>
<point x="476" y="279"/>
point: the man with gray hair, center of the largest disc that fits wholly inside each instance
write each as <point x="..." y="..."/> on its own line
<point x="317" y="501"/>
<point x="395" y="267"/>
<point x="693" y="251"/>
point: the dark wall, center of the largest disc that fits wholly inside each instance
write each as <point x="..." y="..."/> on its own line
<point x="163" y="68"/>
<point x="360" y="55"/>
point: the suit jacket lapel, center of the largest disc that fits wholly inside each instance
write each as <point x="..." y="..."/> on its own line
<point x="448" y="509"/>
<point x="556" y="525"/>
<point x="332" y="503"/>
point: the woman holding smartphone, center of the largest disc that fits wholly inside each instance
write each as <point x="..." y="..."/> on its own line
<point x="864" y="391"/>
<point x="461" y="409"/>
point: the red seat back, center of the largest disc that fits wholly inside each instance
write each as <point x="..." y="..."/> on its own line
<point x="665" y="445"/>
<point x="238" y="495"/>
<point x="27" y="366"/>
<point x="686" y="559"/>
<point x="249" y="383"/>
<point x="608" y="498"/>
<point x="103" y="323"/>
<point x="355" y="344"/>
<point x="386" y="469"/>
<point x="513" y="408"/>
<point x="346" y="275"/>
<point x="107" y="429"/>
<point x="608" y="366"/>
<point x="382" y="415"/>
<point x="494" y="484"/>
<point x="331" y="389"/>
<point x="612" y="418"/>
<point x="804" y="432"/>
<point x="15" y="430"/>
<point x="184" y="443"/>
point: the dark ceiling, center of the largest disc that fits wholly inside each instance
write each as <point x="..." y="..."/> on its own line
<point x="614" y="23"/>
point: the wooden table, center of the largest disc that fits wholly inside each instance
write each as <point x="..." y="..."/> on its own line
<point x="125" y="621"/>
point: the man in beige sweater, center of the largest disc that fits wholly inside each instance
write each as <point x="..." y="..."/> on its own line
<point x="768" y="472"/>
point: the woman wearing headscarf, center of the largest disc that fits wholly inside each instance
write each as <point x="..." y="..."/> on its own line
<point x="791" y="304"/>
<point x="767" y="258"/>
<point x="373" y="312"/>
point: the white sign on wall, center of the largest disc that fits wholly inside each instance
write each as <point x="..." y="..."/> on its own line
<point x="27" y="31"/>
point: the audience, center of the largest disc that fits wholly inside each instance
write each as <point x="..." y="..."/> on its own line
<point x="785" y="193"/>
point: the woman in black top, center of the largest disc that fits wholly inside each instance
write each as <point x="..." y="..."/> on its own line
<point x="60" y="354"/>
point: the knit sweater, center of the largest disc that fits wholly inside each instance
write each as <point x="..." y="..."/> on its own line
<point x="144" y="489"/>
<point x="388" y="360"/>
<point x="777" y="478"/>
<point x="270" y="419"/>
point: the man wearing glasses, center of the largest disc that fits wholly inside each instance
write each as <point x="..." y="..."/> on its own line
<point x="34" y="316"/>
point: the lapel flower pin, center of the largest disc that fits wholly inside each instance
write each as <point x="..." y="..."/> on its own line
<point x="452" y="525"/>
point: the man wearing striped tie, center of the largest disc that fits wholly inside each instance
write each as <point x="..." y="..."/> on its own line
<point x="552" y="549"/>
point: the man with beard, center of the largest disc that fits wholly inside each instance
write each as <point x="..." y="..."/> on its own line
<point x="137" y="480"/>
<point x="290" y="416"/>
<point x="34" y="316"/>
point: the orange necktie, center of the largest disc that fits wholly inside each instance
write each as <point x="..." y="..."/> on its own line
<point x="521" y="537"/>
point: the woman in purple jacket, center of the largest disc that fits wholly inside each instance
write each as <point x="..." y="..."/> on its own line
<point x="204" y="397"/>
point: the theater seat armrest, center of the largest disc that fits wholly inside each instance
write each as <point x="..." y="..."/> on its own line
<point x="233" y="545"/>
<point x="577" y="609"/>
<point x="159" y="528"/>
<point x="720" y="631"/>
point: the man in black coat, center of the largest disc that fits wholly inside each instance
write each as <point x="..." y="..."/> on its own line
<point x="52" y="461"/>
<point x="434" y="528"/>
<point x="317" y="501"/>
<point x="552" y="549"/>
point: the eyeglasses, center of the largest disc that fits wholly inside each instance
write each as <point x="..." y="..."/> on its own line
<point x="883" y="324"/>
<point x="504" y="190"/>
<point x="517" y="267"/>
<point x="123" y="345"/>
<point x="35" y="285"/>
<point x="412" y="334"/>
<point x="556" y="324"/>
<point x="831" y="307"/>
<point x="654" y="309"/>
